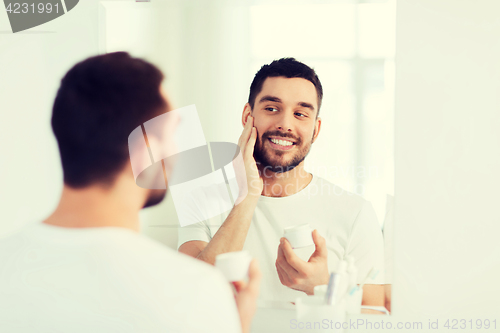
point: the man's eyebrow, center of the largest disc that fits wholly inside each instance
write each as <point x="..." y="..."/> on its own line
<point x="269" y="98"/>
<point x="306" y="105"/>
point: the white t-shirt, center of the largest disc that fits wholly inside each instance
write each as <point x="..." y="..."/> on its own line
<point x="107" y="279"/>
<point x="347" y="222"/>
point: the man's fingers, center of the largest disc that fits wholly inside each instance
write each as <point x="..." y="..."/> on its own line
<point x="283" y="263"/>
<point x="254" y="276"/>
<point x="254" y="272"/>
<point x="282" y="274"/>
<point x="278" y="269"/>
<point x="245" y="135"/>
<point x="251" y="143"/>
<point x="239" y="285"/>
<point x="292" y="259"/>
<point x="320" y="243"/>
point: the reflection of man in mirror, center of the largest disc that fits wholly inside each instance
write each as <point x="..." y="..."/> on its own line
<point x="86" y="268"/>
<point x="281" y="122"/>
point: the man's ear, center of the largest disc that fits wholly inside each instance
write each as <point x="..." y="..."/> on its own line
<point x="247" y="111"/>
<point x="317" y="128"/>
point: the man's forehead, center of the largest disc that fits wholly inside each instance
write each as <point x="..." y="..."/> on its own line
<point x="289" y="90"/>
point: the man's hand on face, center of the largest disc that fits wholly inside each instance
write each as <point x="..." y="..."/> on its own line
<point x="247" y="294"/>
<point x="245" y="166"/>
<point x="298" y="274"/>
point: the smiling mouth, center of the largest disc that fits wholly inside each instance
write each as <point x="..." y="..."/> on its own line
<point x="281" y="144"/>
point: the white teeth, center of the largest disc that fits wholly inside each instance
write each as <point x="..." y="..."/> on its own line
<point x="281" y="142"/>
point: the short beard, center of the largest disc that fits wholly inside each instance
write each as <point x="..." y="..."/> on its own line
<point x="269" y="163"/>
<point x="155" y="197"/>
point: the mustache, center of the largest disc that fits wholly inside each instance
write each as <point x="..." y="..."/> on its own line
<point x="268" y="134"/>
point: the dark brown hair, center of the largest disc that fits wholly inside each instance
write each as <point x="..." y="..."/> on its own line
<point x="289" y="68"/>
<point x="100" y="101"/>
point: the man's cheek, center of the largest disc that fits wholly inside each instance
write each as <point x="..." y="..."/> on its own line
<point x="257" y="123"/>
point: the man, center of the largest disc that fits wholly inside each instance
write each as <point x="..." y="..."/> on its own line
<point x="280" y="124"/>
<point x="86" y="268"/>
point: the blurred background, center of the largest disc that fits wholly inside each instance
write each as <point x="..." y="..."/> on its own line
<point x="210" y="51"/>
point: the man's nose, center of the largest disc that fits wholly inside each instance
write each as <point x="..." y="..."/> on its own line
<point x="284" y="122"/>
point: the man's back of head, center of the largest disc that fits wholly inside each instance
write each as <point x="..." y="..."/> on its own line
<point x="100" y="101"/>
<point x="86" y="269"/>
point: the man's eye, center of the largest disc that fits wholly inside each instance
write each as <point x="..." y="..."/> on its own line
<point x="271" y="109"/>
<point x="300" y="114"/>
